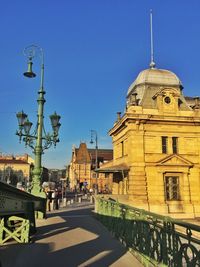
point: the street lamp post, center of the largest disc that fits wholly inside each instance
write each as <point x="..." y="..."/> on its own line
<point x="39" y="140"/>
<point x="95" y="138"/>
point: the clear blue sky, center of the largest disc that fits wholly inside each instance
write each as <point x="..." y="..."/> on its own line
<point x="94" y="49"/>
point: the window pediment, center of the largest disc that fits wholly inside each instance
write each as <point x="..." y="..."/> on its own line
<point x="167" y="99"/>
<point x="174" y="160"/>
<point x="166" y="92"/>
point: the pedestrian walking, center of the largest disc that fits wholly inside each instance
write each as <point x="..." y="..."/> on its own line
<point x="49" y="199"/>
<point x="56" y="199"/>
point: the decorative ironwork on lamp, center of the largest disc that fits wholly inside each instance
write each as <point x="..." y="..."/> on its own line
<point x="38" y="140"/>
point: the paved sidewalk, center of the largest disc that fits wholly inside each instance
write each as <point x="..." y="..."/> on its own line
<point x="70" y="237"/>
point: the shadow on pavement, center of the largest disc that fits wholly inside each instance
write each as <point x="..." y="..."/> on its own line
<point x="68" y="238"/>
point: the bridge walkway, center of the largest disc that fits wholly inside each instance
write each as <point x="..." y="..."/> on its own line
<point x="69" y="237"/>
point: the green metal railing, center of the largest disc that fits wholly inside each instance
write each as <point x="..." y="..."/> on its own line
<point x="161" y="240"/>
<point x="13" y="200"/>
<point x="17" y="213"/>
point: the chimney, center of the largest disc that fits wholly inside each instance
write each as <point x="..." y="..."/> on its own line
<point x="118" y="116"/>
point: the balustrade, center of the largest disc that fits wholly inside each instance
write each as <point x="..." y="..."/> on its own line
<point x="159" y="239"/>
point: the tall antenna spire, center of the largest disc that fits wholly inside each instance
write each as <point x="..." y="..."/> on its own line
<point x="152" y="63"/>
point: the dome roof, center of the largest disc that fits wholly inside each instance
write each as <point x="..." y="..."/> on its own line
<point x="156" y="76"/>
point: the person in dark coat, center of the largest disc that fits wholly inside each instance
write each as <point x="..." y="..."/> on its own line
<point x="49" y="199"/>
<point x="56" y="199"/>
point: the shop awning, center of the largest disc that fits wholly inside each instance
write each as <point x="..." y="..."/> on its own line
<point x="113" y="169"/>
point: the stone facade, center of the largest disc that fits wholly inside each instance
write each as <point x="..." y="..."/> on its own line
<point x="156" y="147"/>
<point x="81" y="169"/>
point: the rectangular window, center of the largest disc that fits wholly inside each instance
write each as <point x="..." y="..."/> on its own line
<point x="164" y="144"/>
<point x="122" y="148"/>
<point x="175" y="145"/>
<point x="106" y="175"/>
<point x="172" y="188"/>
<point x="94" y="175"/>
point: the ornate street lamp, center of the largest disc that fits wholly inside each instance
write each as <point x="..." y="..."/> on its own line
<point x="38" y="140"/>
<point x="94" y="138"/>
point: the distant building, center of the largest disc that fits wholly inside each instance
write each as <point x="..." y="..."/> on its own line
<point x="17" y="169"/>
<point x="83" y="163"/>
<point x="56" y="174"/>
<point x="156" y="146"/>
<point x="14" y="169"/>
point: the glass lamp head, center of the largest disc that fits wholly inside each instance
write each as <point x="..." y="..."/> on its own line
<point x="56" y="128"/>
<point x="27" y="126"/>
<point x="54" y="119"/>
<point x="21" y="116"/>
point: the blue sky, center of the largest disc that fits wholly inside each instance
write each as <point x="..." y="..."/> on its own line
<point x="94" y="49"/>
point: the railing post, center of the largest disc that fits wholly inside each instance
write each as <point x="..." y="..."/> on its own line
<point x="1" y="230"/>
<point x="30" y="215"/>
<point x="164" y="243"/>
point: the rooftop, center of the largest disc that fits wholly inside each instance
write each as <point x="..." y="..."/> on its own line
<point x="155" y="76"/>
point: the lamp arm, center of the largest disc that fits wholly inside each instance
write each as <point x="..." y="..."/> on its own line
<point x="46" y="146"/>
<point x="49" y="141"/>
<point x="20" y="134"/>
<point x="50" y="137"/>
<point x="28" y="140"/>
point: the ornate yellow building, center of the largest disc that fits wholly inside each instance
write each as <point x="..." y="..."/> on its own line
<point x="82" y="165"/>
<point x="156" y="146"/>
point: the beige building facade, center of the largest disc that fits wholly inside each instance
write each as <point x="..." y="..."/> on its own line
<point x="156" y="146"/>
<point x="15" y="169"/>
<point x="81" y="169"/>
